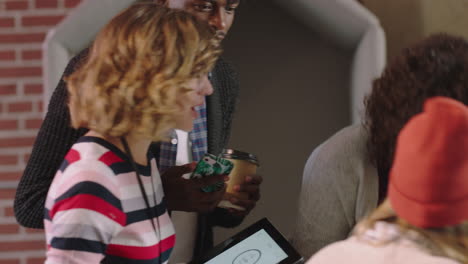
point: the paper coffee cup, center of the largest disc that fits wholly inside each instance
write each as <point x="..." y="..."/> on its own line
<point x="245" y="164"/>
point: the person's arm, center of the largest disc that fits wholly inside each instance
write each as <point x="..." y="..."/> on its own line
<point x="328" y="197"/>
<point x="227" y="85"/>
<point x="221" y="109"/>
<point x="85" y="214"/>
<point x="54" y="139"/>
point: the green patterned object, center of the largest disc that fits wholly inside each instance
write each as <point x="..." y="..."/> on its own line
<point x="212" y="165"/>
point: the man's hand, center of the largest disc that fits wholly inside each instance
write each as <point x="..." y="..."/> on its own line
<point x="251" y="187"/>
<point x="186" y="194"/>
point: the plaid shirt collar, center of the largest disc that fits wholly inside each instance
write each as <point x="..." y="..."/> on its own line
<point x="198" y="138"/>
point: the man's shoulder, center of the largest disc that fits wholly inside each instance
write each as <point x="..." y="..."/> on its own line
<point x="76" y="61"/>
<point x="225" y="69"/>
<point x="348" y="142"/>
<point x="222" y="62"/>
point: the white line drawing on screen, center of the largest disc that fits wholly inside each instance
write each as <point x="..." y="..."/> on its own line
<point x="250" y="256"/>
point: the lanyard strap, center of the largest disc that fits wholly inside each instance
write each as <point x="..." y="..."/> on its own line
<point x="143" y="192"/>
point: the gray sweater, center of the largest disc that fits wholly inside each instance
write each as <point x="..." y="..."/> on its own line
<point x="339" y="188"/>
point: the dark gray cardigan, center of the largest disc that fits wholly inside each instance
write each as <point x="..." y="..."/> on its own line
<point x="56" y="136"/>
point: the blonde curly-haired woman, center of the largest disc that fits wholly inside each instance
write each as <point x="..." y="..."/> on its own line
<point x="146" y="73"/>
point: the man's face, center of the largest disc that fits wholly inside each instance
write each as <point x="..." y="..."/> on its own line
<point x="218" y="13"/>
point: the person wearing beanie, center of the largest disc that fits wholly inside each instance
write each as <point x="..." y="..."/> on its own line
<point x="429" y="178"/>
<point x="424" y="218"/>
<point x="346" y="177"/>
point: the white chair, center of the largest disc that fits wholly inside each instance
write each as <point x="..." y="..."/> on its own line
<point x="352" y="26"/>
<point x="74" y="34"/>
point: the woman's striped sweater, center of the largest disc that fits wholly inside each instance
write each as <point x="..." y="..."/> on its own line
<point x="95" y="210"/>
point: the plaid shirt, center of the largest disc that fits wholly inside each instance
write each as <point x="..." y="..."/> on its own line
<point x="198" y="139"/>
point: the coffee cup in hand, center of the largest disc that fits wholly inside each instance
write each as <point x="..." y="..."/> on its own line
<point x="245" y="164"/>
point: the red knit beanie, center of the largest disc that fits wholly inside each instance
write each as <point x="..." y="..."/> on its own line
<point x="429" y="178"/>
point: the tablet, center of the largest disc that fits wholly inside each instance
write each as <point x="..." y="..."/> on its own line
<point x="260" y="243"/>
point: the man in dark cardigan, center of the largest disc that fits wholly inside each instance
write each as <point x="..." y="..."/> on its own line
<point x="56" y="136"/>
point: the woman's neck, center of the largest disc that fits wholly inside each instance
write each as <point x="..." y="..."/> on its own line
<point x="138" y="145"/>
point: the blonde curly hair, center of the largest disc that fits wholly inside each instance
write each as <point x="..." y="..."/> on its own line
<point x="138" y="65"/>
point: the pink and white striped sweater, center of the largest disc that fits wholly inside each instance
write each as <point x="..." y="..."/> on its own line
<point x="95" y="212"/>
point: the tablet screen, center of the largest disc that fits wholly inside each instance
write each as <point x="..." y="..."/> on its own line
<point x="260" y="243"/>
<point x="259" y="248"/>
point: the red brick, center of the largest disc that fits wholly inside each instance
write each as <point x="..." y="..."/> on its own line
<point x="9" y="261"/>
<point x="22" y="245"/>
<point x="8" y="159"/>
<point x="16" y="5"/>
<point x="26" y="157"/>
<point x="34" y="231"/>
<point x="10" y="176"/>
<point x="16" y="142"/>
<point x="7" y="22"/>
<point x="14" y="72"/>
<point x="7" y="89"/>
<point x="46" y="3"/>
<point x="33" y="123"/>
<point x="40" y="106"/>
<point x="9" y="229"/>
<point x="7" y="194"/>
<point x="9" y="211"/>
<point x="35" y="260"/>
<point x="7" y="55"/>
<point x="8" y="125"/>
<point x="29" y="21"/>
<point x="71" y="3"/>
<point x="22" y="38"/>
<point x="19" y="107"/>
<point x="33" y="89"/>
<point x="31" y="55"/>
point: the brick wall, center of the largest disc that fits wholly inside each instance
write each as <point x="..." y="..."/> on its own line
<point x="23" y="26"/>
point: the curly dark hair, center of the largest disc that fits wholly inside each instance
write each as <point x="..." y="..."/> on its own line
<point x="436" y="66"/>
